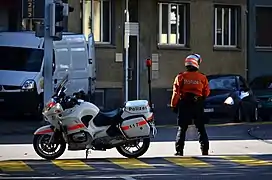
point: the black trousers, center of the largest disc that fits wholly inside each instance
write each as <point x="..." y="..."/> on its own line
<point x="190" y="111"/>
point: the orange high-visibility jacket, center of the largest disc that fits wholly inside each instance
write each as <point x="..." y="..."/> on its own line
<point x="189" y="82"/>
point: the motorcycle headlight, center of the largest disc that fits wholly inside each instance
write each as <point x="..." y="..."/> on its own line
<point x="229" y="101"/>
<point x="28" y="84"/>
<point x="51" y="103"/>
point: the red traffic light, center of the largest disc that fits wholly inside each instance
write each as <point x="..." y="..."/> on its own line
<point x="148" y="62"/>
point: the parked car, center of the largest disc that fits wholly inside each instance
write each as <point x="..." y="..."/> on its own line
<point x="262" y="88"/>
<point x="22" y="69"/>
<point x="230" y="97"/>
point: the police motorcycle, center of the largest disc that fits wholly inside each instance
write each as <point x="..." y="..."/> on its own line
<point x="83" y="126"/>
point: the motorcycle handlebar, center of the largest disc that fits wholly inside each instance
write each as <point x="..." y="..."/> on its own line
<point x="80" y="95"/>
<point x="69" y="102"/>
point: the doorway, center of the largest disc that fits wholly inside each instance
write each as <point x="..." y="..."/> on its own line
<point x="132" y="26"/>
<point x="133" y="72"/>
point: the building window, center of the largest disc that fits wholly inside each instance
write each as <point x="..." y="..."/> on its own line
<point x="226" y="21"/>
<point x="97" y="17"/>
<point x="263" y="27"/>
<point x="30" y="24"/>
<point x="172" y="24"/>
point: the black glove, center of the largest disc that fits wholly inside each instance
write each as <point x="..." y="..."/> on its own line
<point x="174" y="109"/>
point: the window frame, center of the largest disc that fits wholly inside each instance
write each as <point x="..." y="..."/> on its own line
<point x="255" y="38"/>
<point x="101" y="19"/>
<point x="185" y="22"/>
<point x="237" y="12"/>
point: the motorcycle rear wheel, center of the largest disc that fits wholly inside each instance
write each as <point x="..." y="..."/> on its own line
<point x="44" y="151"/>
<point x="139" y="152"/>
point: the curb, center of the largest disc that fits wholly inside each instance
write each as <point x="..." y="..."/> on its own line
<point x="31" y="130"/>
<point x="220" y="125"/>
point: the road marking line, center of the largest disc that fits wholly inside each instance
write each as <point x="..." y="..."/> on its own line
<point x="14" y="166"/>
<point x="72" y="165"/>
<point x="127" y="178"/>
<point x="247" y="160"/>
<point x="127" y="163"/>
<point x="188" y="162"/>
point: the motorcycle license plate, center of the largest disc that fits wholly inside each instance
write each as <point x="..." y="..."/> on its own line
<point x="209" y="110"/>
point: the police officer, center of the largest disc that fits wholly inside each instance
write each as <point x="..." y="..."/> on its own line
<point x="190" y="89"/>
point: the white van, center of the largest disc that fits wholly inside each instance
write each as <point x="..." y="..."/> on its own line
<point x="21" y="69"/>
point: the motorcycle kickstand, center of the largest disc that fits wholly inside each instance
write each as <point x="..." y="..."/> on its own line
<point x="87" y="153"/>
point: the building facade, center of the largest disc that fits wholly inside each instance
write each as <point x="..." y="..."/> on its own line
<point x="165" y="31"/>
<point x="259" y="38"/>
<point x="10" y="15"/>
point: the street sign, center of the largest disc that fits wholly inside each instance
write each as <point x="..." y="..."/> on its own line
<point x="33" y="9"/>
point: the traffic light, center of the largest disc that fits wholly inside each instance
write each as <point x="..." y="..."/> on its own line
<point x="58" y="10"/>
<point x="59" y="17"/>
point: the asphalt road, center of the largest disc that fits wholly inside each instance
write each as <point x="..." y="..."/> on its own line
<point x="233" y="155"/>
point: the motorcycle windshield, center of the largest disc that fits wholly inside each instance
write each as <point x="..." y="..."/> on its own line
<point x="62" y="84"/>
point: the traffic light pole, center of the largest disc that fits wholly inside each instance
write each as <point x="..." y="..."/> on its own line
<point x="127" y="51"/>
<point x="48" y="53"/>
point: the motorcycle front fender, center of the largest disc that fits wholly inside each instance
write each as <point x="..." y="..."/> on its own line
<point x="44" y="130"/>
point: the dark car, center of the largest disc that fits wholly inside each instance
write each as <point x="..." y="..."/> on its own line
<point x="226" y="98"/>
<point x="262" y="89"/>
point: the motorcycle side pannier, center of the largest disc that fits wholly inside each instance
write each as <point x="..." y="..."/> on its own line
<point x="135" y="127"/>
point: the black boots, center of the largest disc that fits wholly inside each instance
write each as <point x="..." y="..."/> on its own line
<point x="179" y="153"/>
<point x="205" y="153"/>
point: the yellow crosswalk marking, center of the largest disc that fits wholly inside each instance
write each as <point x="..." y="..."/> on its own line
<point x="188" y="162"/>
<point x="247" y="160"/>
<point x="130" y="163"/>
<point x="72" y="165"/>
<point x="14" y="166"/>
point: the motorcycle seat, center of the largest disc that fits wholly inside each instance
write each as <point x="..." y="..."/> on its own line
<point x="105" y="118"/>
<point x="110" y="114"/>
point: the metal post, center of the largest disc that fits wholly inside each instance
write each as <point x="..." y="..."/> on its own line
<point x="149" y="64"/>
<point x="65" y="19"/>
<point x="126" y="47"/>
<point x="48" y="53"/>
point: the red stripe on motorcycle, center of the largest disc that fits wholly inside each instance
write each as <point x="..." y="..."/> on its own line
<point x="46" y="131"/>
<point x="141" y="123"/>
<point x="75" y="127"/>
<point x="125" y="128"/>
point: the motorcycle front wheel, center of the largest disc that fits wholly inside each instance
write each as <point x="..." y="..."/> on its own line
<point x="48" y="151"/>
<point x="140" y="150"/>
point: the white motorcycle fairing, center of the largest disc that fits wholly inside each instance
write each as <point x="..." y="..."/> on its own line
<point x="87" y="127"/>
<point x="82" y="126"/>
<point x="44" y="130"/>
